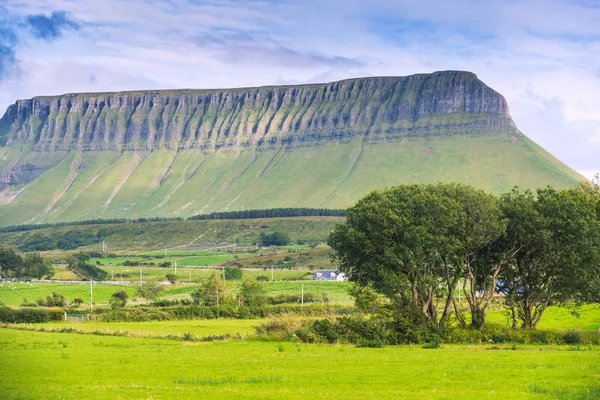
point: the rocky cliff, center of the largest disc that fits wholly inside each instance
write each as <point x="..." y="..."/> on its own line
<point x="442" y="103"/>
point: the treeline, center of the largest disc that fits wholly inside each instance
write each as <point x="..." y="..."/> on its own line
<point x="32" y="227"/>
<point x="32" y="265"/>
<point x="247" y="214"/>
<point x="431" y="248"/>
<point x="273" y="213"/>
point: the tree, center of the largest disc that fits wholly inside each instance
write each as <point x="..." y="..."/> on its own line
<point x="476" y="222"/>
<point x="392" y="239"/>
<point x="232" y="273"/>
<point x="118" y="299"/>
<point x="11" y="263"/>
<point x="252" y="293"/>
<point x="36" y="267"/>
<point x="557" y="234"/>
<point x="213" y="292"/>
<point x="274" y="239"/>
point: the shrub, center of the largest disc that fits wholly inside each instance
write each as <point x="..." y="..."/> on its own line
<point x="573" y="337"/>
<point x="118" y="299"/>
<point x="149" y="291"/>
<point x="172" y="278"/>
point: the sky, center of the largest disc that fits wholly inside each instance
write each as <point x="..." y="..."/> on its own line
<point x="542" y="55"/>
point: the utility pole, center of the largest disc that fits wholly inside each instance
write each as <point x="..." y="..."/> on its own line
<point x="103" y="247"/>
<point x="233" y="247"/>
<point x="91" y="295"/>
<point x="140" y="276"/>
<point x="175" y="267"/>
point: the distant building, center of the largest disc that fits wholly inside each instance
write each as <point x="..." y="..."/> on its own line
<point x="330" y="276"/>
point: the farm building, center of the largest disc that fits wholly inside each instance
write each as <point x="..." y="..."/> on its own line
<point x="330" y="276"/>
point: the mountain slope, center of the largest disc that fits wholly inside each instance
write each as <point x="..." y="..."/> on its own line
<point x="179" y="153"/>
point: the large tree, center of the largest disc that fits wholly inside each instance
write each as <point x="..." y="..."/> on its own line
<point x="556" y="235"/>
<point x="415" y="243"/>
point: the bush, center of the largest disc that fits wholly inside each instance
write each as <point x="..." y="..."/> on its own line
<point x="274" y="239"/>
<point x="149" y="291"/>
<point x="172" y="278"/>
<point x="573" y="337"/>
<point x="118" y="299"/>
<point x="309" y="297"/>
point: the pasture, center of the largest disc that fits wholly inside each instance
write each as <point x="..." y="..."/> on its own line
<point x="12" y="294"/>
<point x="72" y="366"/>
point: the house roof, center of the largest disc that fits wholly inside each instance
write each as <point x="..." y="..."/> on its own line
<point x="326" y="275"/>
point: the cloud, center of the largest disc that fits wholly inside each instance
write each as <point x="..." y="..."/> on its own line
<point x="239" y="47"/>
<point x="8" y="60"/>
<point x="52" y="27"/>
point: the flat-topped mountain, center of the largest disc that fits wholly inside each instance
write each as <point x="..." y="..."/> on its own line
<point x="183" y="152"/>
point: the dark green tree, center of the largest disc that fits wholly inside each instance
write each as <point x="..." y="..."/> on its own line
<point x="232" y="273"/>
<point x="11" y="263"/>
<point x="252" y="293"/>
<point x="558" y="237"/>
<point x="118" y="299"/>
<point x="37" y="267"/>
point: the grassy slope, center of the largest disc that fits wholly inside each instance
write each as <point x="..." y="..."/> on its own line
<point x="63" y="365"/>
<point x="158" y="235"/>
<point x="327" y="174"/>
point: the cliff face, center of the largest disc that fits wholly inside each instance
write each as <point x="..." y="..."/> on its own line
<point x="442" y="103"/>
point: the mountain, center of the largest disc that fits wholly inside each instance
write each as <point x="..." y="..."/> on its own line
<point x="184" y="152"/>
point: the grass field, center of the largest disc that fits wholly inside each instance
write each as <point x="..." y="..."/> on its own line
<point x="199" y="328"/>
<point x="12" y="294"/>
<point x="37" y="365"/>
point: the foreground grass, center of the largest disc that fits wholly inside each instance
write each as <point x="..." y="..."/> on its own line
<point x="62" y="365"/>
<point x="199" y="328"/>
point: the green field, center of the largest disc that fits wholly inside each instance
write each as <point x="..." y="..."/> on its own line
<point x="35" y="365"/>
<point x="200" y="328"/>
<point x="12" y="294"/>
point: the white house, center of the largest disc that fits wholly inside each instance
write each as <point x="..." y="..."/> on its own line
<point x="330" y="276"/>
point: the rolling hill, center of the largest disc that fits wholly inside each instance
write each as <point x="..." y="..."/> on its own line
<point x="179" y="153"/>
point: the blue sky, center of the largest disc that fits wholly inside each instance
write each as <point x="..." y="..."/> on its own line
<point x="543" y="56"/>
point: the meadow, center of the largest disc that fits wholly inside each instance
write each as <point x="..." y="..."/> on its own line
<point x="12" y="294"/>
<point x="37" y="365"/>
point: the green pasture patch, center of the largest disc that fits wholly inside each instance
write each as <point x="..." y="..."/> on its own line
<point x="12" y="294"/>
<point x="199" y="328"/>
<point x="73" y="366"/>
<point x="586" y="317"/>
